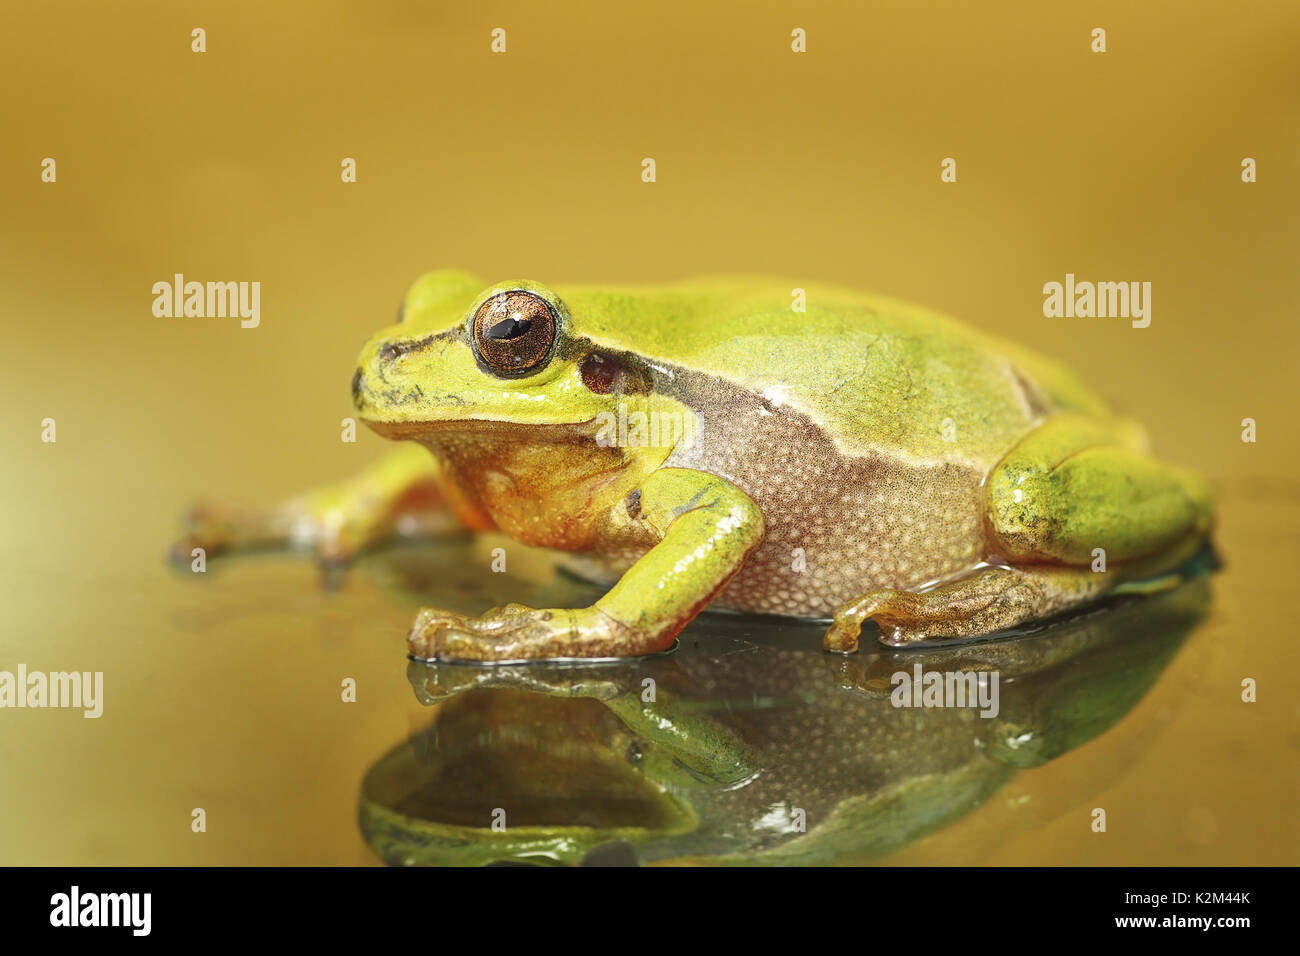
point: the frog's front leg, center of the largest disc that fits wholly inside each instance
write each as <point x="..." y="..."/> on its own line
<point x="1073" y="489"/>
<point x="404" y="491"/>
<point x="685" y="741"/>
<point x="706" y="527"/>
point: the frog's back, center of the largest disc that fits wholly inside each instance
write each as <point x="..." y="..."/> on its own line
<point x="876" y="373"/>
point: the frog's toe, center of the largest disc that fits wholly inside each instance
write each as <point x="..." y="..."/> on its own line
<point x="428" y="631"/>
<point x="333" y="564"/>
<point x="846" y="629"/>
<point x="207" y="526"/>
<point x="842" y="636"/>
<point x="181" y="554"/>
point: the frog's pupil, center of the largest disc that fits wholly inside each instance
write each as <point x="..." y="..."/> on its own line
<point x="510" y="328"/>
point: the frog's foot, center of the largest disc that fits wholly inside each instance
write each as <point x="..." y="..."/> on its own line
<point x="402" y="493"/>
<point x="220" y="527"/>
<point x="984" y="602"/>
<point x="301" y="525"/>
<point x="519" y="633"/>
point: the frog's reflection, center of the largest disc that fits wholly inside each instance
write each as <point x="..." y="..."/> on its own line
<point x="748" y="743"/>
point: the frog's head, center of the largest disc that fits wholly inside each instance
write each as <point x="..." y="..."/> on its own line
<point x="511" y="353"/>
<point x="566" y="773"/>
<point x="541" y="424"/>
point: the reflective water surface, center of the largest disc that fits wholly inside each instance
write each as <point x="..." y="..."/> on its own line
<point x="748" y="743"/>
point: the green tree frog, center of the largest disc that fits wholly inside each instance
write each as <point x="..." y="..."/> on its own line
<point x="707" y="443"/>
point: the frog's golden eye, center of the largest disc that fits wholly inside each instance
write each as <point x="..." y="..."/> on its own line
<point x="514" y="332"/>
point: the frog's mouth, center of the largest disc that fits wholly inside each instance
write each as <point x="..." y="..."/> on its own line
<point x="510" y="431"/>
<point x="512" y="776"/>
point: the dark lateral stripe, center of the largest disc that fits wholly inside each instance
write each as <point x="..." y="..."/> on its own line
<point x="392" y="350"/>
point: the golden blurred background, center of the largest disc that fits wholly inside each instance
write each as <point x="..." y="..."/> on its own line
<point x="225" y="165"/>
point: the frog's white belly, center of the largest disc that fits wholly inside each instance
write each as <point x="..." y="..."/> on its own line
<point x="836" y="526"/>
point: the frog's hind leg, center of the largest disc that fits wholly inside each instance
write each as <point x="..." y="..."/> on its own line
<point x="983" y="602"/>
<point x="1075" y="510"/>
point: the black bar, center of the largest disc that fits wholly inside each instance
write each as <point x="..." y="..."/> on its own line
<point x="389" y="905"/>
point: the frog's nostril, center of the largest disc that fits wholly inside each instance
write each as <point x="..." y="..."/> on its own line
<point x="390" y="351"/>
